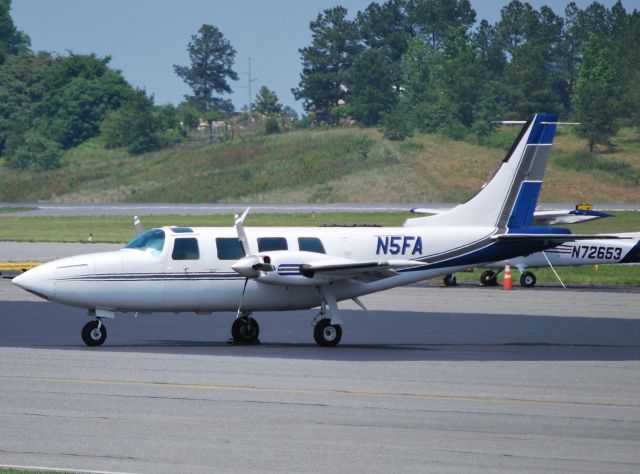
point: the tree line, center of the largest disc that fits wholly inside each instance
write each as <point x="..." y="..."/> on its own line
<point x="428" y="65"/>
<point x="403" y="65"/>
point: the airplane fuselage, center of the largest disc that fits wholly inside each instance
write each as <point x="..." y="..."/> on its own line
<point x="585" y="252"/>
<point x="190" y="271"/>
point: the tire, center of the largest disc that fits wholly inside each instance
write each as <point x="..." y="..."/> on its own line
<point x="450" y="280"/>
<point x="327" y="334"/>
<point x="245" y="330"/>
<point x="527" y="280"/>
<point x="92" y="336"/>
<point x="488" y="278"/>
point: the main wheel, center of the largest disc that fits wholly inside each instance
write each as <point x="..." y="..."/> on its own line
<point x="450" y="280"/>
<point x="92" y="335"/>
<point x="327" y="334"/>
<point x="245" y="330"/>
<point x="489" y="278"/>
<point x="527" y="279"/>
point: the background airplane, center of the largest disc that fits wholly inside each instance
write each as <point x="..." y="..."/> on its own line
<point x="585" y="252"/>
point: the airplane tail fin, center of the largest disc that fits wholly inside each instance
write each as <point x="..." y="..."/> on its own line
<point x="509" y="198"/>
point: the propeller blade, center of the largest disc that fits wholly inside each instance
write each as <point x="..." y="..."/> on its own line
<point x="138" y="225"/>
<point x="242" y="236"/>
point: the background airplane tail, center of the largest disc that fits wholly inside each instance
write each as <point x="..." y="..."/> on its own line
<point x="509" y="198"/>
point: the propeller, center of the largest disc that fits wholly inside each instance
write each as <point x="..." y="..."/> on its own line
<point x="249" y="266"/>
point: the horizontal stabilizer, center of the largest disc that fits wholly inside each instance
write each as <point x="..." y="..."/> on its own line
<point x="541" y="217"/>
<point x="559" y="238"/>
<point x="567" y="216"/>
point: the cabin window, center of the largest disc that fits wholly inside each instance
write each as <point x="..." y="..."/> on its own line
<point x="229" y="249"/>
<point x="310" y="244"/>
<point x="185" y="249"/>
<point x="151" y="239"/>
<point x="182" y="230"/>
<point x="269" y="244"/>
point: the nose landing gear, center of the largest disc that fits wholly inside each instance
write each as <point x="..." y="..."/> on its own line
<point x="94" y="333"/>
<point x="245" y="329"/>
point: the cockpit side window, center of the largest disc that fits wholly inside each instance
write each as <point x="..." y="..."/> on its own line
<point x="186" y="249"/>
<point x="151" y="239"/>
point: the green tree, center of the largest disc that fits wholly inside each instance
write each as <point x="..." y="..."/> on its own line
<point x="212" y="58"/>
<point x="23" y="88"/>
<point x="371" y="92"/>
<point x="595" y="100"/>
<point x="431" y="19"/>
<point x="271" y="125"/>
<point x="12" y="41"/>
<point x="334" y="46"/>
<point x="396" y="125"/>
<point x="267" y="102"/>
<point x="190" y="117"/>
<point x="386" y="28"/>
<point x="518" y="24"/>
<point x="167" y="118"/>
<point x="83" y="91"/>
<point x="626" y="57"/>
<point x="133" y="126"/>
<point x="36" y="152"/>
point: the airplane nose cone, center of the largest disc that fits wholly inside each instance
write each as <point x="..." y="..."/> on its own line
<point x="38" y="280"/>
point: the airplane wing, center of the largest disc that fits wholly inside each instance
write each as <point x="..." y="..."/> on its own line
<point x="344" y="271"/>
<point x="542" y="217"/>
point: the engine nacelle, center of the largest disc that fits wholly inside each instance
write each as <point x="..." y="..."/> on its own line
<point x="283" y="267"/>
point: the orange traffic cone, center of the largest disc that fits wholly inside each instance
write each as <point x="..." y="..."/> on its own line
<point x="507" y="283"/>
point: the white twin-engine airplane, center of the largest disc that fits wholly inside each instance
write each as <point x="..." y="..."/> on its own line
<point x="202" y="270"/>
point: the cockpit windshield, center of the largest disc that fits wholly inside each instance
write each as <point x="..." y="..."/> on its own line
<point x="151" y="239"/>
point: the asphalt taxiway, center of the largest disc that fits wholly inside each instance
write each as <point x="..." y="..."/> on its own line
<point x="431" y="379"/>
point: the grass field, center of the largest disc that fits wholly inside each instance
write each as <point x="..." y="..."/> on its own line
<point x="119" y="229"/>
<point x="324" y="165"/>
<point x="583" y="274"/>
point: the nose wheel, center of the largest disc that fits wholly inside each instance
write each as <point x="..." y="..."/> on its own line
<point x="245" y="330"/>
<point x="94" y="333"/>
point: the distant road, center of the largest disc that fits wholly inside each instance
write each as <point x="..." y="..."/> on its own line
<point x="120" y="209"/>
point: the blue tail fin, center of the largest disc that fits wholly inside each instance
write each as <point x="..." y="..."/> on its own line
<point x="509" y="198"/>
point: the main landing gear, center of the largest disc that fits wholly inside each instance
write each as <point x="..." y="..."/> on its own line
<point x="327" y="334"/>
<point x="245" y="330"/>
<point x="450" y="280"/>
<point x="327" y="330"/>
<point x="489" y="278"/>
<point x="527" y="279"/>
<point x="94" y="333"/>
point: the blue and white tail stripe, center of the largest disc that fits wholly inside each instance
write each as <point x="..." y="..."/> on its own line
<point x="508" y="199"/>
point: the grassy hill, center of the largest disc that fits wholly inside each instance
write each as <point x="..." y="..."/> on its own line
<point x="337" y="165"/>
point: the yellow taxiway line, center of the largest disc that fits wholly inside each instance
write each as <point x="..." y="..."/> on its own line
<point x="19" y="266"/>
